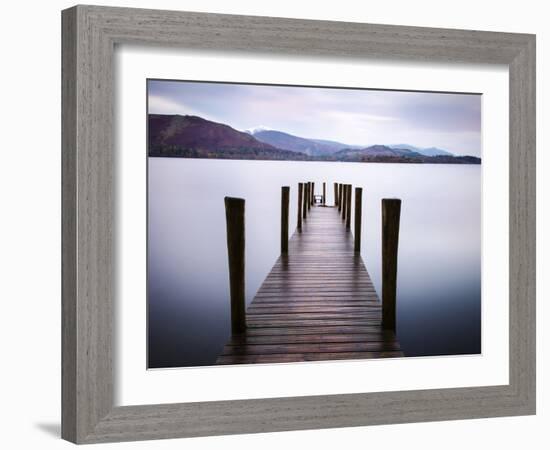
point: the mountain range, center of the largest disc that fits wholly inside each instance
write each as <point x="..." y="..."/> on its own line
<point x="195" y="137"/>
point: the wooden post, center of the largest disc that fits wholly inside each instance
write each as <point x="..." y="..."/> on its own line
<point x="234" y="217"/>
<point x="391" y="210"/>
<point x="340" y="197"/>
<point x="358" y="211"/>
<point x="341" y="200"/>
<point x="306" y="196"/>
<point x="312" y="194"/>
<point x="345" y="207"/>
<point x="347" y="191"/>
<point x="335" y="194"/>
<point x="348" y="208"/>
<point x="300" y="194"/>
<point x="344" y="201"/>
<point x="285" y="194"/>
<point x="324" y="193"/>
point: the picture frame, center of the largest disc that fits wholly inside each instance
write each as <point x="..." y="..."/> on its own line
<point x="89" y="37"/>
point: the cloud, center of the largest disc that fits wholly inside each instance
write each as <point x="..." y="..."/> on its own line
<point x="163" y="105"/>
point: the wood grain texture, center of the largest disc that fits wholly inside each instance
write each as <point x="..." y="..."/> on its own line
<point x="358" y="218"/>
<point x="349" y="195"/>
<point x="321" y="260"/>
<point x="299" y="210"/>
<point x="236" y="237"/>
<point x="68" y="224"/>
<point x="285" y="199"/>
<point x="88" y="212"/>
<point x="391" y="212"/>
<point x="90" y="34"/>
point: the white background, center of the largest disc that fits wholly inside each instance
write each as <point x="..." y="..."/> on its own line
<point x="135" y="386"/>
<point x="30" y="225"/>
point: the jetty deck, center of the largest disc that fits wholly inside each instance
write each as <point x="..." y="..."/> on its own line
<point x="317" y="303"/>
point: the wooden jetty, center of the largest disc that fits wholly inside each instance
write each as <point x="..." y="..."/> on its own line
<point x="318" y="302"/>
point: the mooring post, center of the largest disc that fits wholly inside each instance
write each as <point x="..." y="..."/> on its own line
<point x="340" y="197"/>
<point x="312" y="194"/>
<point x="335" y="194"/>
<point x="300" y="194"/>
<point x="324" y="193"/>
<point x="348" y="208"/>
<point x="234" y="217"/>
<point x="391" y="211"/>
<point x="341" y="200"/>
<point x="305" y="202"/>
<point x="358" y="212"/>
<point x="344" y="201"/>
<point x="285" y="194"/>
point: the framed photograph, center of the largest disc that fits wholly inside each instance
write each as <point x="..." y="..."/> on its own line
<point x="268" y="222"/>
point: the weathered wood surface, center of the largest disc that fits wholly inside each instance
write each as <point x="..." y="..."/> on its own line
<point x="348" y="206"/>
<point x="317" y="303"/>
<point x="285" y="199"/>
<point x="234" y="214"/>
<point x="358" y="218"/>
<point x="300" y="195"/>
<point x="391" y="211"/>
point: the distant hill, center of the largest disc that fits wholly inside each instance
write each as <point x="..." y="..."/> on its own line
<point x="375" y="150"/>
<point x="384" y="153"/>
<point x="430" y="151"/>
<point x="286" y="141"/>
<point x="336" y="145"/>
<point x="195" y="137"/>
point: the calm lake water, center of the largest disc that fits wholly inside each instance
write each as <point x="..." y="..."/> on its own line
<point x="439" y="272"/>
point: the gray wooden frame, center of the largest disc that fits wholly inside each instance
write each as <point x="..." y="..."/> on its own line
<point x="89" y="36"/>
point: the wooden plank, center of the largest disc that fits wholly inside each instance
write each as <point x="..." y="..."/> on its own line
<point x="316" y="296"/>
<point x="320" y="295"/>
<point x="339" y="315"/>
<point x="320" y="284"/>
<point x="254" y="323"/>
<point x="304" y="357"/>
<point x="327" y="347"/>
<point x="346" y="283"/>
<point x="312" y="291"/>
<point x="317" y="330"/>
<point x="310" y="338"/>
<point x="305" y="290"/>
<point x="316" y="300"/>
<point x="286" y="308"/>
<point x="297" y="304"/>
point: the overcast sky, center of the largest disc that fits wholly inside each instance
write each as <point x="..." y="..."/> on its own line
<point x="351" y="116"/>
